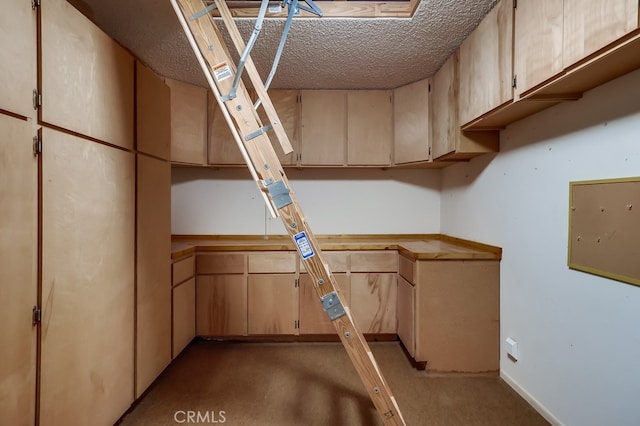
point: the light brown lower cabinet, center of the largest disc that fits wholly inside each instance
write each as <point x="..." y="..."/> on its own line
<point x="221" y="305"/>
<point x="373" y="302"/>
<point x="272" y="304"/>
<point x="456" y="323"/>
<point x="88" y="240"/>
<point x="183" y="302"/>
<point x="406" y="314"/>
<point x="313" y="319"/>
<point x="184" y="315"/>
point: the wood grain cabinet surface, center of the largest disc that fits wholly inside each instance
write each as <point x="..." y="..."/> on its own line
<point x="153" y="270"/>
<point x="486" y="64"/>
<point x="411" y="122"/>
<point x="87" y="79"/>
<point x="18" y="53"/>
<point x="88" y="270"/>
<point x="153" y="113"/>
<point x="18" y="263"/>
<point x="188" y="123"/>
<point x="447" y="140"/>
<point x="323" y="127"/>
<point x="369" y="127"/>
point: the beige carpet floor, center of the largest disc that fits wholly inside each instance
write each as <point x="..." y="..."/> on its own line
<point x="315" y="384"/>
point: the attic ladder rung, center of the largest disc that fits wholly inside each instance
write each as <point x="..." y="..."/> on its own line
<point x="265" y="167"/>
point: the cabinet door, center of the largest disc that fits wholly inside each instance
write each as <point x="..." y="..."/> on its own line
<point x="447" y="140"/>
<point x="153" y="269"/>
<point x="18" y="263"/>
<point x="406" y="315"/>
<point x="222" y="147"/>
<point x="373" y="302"/>
<point x="86" y="77"/>
<point x="458" y="315"/>
<point x="313" y="319"/>
<point x="324" y="127"/>
<point x="444" y="101"/>
<point x="538" y="29"/>
<point x="286" y="104"/>
<point x="589" y="25"/>
<point x="188" y="122"/>
<point x="221" y="307"/>
<point x="369" y="128"/>
<point x="486" y="64"/>
<point x="272" y="304"/>
<point x="153" y="113"/>
<point x="88" y="240"/>
<point x="184" y="315"/>
<point x="17" y="57"/>
<point x="411" y="120"/>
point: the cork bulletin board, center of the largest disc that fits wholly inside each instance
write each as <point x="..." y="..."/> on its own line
<point x="604" y="228"/>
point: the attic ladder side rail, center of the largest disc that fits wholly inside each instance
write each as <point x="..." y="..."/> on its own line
<point x="254" y="76"/>
<point x="243" y="120"/>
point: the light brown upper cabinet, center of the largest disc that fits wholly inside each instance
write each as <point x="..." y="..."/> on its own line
<point x="287" y="106"/>
<point x="486" y="64"/>
<point x="323" y="127"/>
<point x="86" y="77"/>
<point x="591" y="25"/>
<point x="18" y="263"/>
<point x="538" y="38"/>
<point x="153" y="108"/>
<point x="447" y="140"/>
<point x="411" y="120"/>
<point x="17" y="57"/>
<point x="369" y="128"/>
<point x="188" y="123"/>
<point x="88" y="270"/>
<point x="222" y="147"/>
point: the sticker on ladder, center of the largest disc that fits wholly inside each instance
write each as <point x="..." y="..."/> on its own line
<point x="304" y="247"/>
<point x="222" y="71"/>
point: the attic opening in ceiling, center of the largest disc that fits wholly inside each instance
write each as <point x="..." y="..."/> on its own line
<point x="330" y="9"/>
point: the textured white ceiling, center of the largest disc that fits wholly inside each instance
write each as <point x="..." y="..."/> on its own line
<point x="321" y="53"/>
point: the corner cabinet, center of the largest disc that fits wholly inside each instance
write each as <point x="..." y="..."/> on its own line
<point x="411" y="122"/>
<point x="449" y="313"/>
<point x="448" y="141"/>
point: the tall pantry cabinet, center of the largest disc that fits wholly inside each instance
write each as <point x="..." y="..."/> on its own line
<point x="88" y="221"/>
<point x="85" y="299"/>
<point x="18" y="214"/>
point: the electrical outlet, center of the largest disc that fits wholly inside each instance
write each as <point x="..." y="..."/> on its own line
<point x="512" y="348"/>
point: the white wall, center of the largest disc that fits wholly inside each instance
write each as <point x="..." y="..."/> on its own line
<point x="365" y="201"/>
<point x="579" y="334"/>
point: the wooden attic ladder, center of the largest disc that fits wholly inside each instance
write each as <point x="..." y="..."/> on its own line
<point x="265" y="167"/>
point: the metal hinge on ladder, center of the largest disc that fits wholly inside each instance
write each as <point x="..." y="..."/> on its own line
<point x="35" y="3"/>
<point x="37" y="99"/>
<point x="37" y="146"/>
<point x="36" y="316"/>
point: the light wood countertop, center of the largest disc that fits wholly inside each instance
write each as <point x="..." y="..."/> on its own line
<point x="415" y="246"/>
